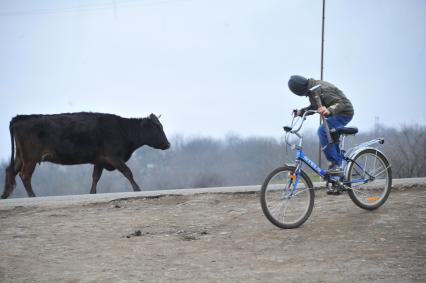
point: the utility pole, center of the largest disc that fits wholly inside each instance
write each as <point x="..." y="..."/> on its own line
<point x="322" y="68"/>
<point x="114" y="9"/>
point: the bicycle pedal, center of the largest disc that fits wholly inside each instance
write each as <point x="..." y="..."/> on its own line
<point x="337" y="188"/>
<point x="333" y="192"/>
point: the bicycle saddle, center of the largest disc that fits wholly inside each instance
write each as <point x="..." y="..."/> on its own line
<point x="348" y="131"/>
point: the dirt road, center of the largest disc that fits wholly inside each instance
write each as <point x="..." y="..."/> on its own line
<point x="214" y="238"/>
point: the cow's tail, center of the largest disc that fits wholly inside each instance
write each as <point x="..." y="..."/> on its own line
<point x="9" y="182"/>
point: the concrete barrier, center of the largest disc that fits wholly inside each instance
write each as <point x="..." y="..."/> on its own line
<point x="106" y="197"/>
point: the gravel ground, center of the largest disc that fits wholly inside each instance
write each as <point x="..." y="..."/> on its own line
<point x="213" y="237"/>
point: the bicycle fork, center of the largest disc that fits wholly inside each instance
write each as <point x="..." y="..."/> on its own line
<point x="293" y="181"/>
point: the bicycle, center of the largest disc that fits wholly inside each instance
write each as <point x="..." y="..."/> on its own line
<point x="287" y="194"/>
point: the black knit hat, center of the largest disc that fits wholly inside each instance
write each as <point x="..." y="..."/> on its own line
<point x="298" y="85"/>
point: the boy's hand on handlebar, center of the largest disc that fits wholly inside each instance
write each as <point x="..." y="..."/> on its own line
<point x="297" y="112"/>
<point x="324" y="111"/>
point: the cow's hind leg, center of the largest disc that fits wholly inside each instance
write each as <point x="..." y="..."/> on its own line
<point x="97" y="172"/>
<point x="26" y="174"/>
<point x="122" y="167"/>
<point x="9" y="181"/>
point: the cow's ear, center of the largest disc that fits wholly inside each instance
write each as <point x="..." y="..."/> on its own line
<point x="152" y="116"/>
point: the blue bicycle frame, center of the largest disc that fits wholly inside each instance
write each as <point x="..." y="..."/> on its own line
<point x="302" y="157"/>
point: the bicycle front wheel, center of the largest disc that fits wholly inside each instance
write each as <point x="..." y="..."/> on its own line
<point x="370" y="178"/>
<point x="287" y="200"/>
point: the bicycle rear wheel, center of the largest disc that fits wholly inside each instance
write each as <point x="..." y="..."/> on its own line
<point x="370" y="178"/>
<point x="285" y="205"/>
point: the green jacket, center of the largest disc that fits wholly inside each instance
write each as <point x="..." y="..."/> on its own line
<point x="332" y="98"/>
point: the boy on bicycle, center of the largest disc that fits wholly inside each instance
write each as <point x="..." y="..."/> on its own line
<point x="337" y="109"/>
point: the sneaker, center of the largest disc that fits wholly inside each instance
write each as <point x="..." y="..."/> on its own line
<point x="334" y="169"/>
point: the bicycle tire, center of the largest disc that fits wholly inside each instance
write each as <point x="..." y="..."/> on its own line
<point x="268" y="191"/>
<point x="368" y="196"/>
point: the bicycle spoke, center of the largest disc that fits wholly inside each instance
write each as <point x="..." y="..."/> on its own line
<point x="299" y="192"/>
<point x="384" y="170"/>
<point x="277" y="207"/>
<point x="285" y="209"/>
<point x="356" y="185"/>
<point x="365" y="166"/>
<point x="361" y="174"/>
<point x="360" y="191"/>
<point x="374" y="165"/>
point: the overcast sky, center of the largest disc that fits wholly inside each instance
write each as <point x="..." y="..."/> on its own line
<point x="210" y="67"/>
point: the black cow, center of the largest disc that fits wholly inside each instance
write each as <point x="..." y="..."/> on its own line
<point x="105" y="140"/>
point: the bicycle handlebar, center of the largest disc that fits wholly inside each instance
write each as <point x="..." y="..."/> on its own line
<point x="290" y="129"/>
<point x="303" y="117"/>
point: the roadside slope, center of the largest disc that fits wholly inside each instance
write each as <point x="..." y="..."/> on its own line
<point x="213" y="237"/>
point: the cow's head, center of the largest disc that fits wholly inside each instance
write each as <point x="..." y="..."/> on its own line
<point x="154" y="133"/>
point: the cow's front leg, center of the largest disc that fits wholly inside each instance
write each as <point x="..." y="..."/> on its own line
<point x="122" y="167"/>
<point x="97" y="172"/>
